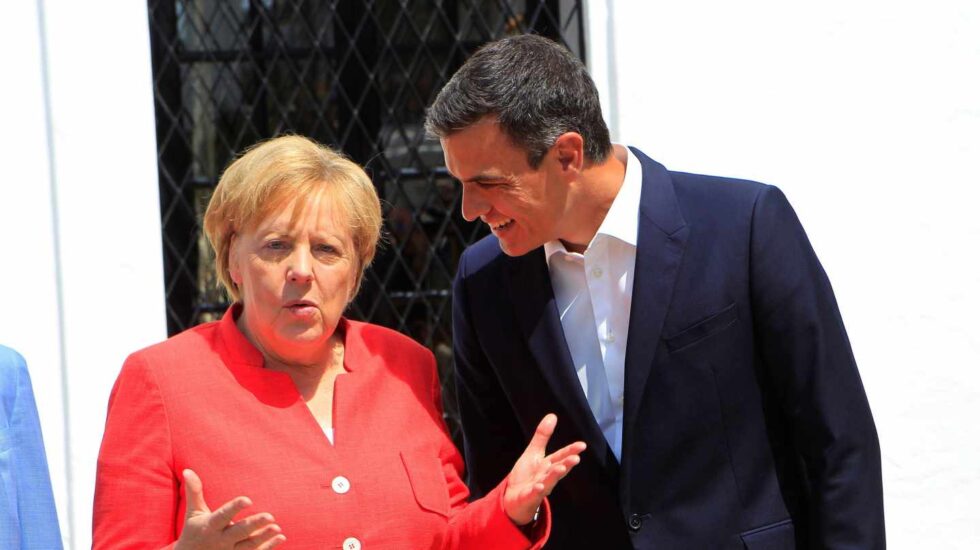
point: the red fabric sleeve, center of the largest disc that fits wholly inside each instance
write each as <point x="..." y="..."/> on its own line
<point x="136" y="491"/>
<point x="482" y="523"/>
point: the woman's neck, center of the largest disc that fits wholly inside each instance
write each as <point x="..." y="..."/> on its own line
<point x="313" y="376"/>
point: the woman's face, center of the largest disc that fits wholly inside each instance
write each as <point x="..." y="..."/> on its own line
<point x="296" y="273"/>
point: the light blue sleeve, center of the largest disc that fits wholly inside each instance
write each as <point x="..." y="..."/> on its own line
<point x="28" y="519"/>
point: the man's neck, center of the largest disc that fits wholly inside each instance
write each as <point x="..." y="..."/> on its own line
<point x="592" y="197"/>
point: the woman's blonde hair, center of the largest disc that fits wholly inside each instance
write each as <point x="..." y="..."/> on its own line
<point x="272" y="174"/>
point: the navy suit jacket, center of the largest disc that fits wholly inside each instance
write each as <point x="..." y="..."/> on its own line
<point x="745" y="422"/>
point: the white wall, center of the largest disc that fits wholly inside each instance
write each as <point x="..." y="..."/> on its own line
<point x="81" y="282"/>
<point x="867" y="114"/>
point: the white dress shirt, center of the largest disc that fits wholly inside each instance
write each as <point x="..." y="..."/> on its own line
<point x="594" y="292"/>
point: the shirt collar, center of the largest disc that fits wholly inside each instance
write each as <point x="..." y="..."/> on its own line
<point x="621" y="222"/>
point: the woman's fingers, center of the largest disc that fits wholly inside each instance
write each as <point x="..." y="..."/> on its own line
<point x="574" y="449"/>
<point x="535" y="475"/>
<point x="539" y="441"/>
<point x="272" y="543"/>
<point x="195" y="493"/>
<point x="206" y="529"/>
<point x="553" y="473"/>
<point x="266" y="538"/>
<point x="223" y="516"/>
<point x="248" y="527"/>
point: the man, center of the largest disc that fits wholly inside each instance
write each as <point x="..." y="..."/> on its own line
<point x="679" y="324"/>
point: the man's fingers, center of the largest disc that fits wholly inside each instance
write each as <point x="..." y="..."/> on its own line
<point x="242" y="530"/>
<point x="223" y="516"/>
<point x="543" y="433"/>
<point x="195" y="493"/>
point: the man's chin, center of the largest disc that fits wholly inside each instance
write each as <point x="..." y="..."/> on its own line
<point x="513" y="251"/>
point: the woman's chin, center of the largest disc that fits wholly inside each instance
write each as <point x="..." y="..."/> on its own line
<point x="305" y="336"/>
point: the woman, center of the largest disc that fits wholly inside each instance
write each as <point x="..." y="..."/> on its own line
<point x="331" y="428"/>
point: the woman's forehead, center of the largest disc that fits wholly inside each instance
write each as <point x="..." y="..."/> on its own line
<point x="320" y="211"/>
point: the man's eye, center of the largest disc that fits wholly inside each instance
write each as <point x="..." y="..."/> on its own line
<point x="486" y="184"/>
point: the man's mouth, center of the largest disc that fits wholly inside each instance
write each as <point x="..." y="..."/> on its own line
<point x="502" y="225"/>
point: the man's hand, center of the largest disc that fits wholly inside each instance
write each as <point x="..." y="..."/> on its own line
<point x="207" y="530"/>
<point x="534" y="475"/>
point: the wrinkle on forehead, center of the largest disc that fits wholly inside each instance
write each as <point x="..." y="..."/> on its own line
<point x="315" y="197"/>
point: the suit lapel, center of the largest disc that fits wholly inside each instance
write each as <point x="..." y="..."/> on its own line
<point x="537" y="314"/>
<point x="662" y="235"/>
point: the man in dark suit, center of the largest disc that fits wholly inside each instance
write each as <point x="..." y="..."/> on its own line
<point x="679" y="324"/>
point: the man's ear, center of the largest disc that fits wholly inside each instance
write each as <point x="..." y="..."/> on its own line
<point x="569" y="150"/>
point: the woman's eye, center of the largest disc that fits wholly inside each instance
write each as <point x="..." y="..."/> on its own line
<point x="325" y="249"/>
<point x="275" y="245"/>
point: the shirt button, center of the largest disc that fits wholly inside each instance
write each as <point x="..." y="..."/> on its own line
<point x="610" y="338"/>
<point x="350" y="543"/>
<point x="621" y="399"/>
<point x="597" y="272"/>
<point x="635" y="523"/>
<point x="340" y="486"/>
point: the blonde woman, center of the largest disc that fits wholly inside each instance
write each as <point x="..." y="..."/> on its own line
<point x="328" y="431"/>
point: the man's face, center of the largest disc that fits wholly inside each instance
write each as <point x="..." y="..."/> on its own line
<point x="523" y="206"/>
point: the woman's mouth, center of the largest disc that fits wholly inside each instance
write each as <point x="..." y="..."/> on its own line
<point x="301" y="308"/>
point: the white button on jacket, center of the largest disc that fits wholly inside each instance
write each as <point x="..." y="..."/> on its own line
<point x="340" y="485"/>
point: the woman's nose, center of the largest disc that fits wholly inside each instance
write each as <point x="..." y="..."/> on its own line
<point x="300" y="267"/>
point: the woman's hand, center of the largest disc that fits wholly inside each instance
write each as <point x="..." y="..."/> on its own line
<point x="207" y="530"/>
<point x="534" y="475"/>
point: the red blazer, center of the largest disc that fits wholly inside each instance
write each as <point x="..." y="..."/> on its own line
<point x="201" y="400"/>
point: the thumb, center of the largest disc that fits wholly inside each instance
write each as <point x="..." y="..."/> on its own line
<point x="539" y="441"/>
<point x="195" y="493"/>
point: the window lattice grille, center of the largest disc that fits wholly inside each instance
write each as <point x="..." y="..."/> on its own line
<point x="356" y="75"/>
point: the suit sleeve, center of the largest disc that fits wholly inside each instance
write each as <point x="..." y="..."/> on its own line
<point x="34" y="522"/>
<point x="482" y="523"/>
<point x="490" y="429"/>
<point x="136" y="490"/>
<point x="808" y="357"/>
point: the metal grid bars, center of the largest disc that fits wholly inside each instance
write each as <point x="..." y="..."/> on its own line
<point x="356" y="75"/>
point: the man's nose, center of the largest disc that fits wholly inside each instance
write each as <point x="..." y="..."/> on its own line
<point x="474" y="203"/>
